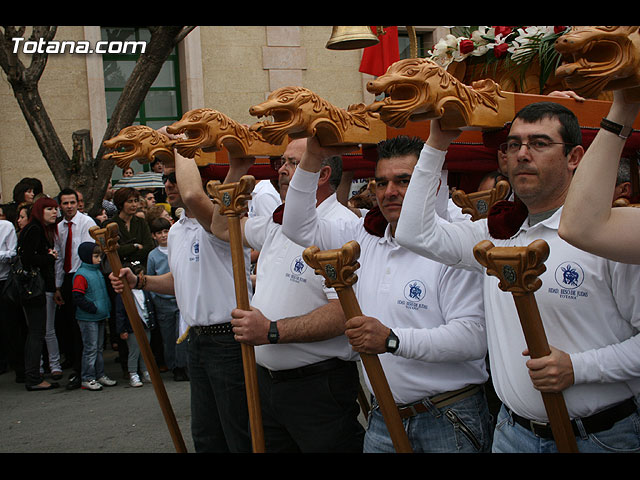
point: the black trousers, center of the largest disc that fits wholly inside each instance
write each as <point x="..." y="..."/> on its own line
<point x="312" y="413"/>
<point x="67" y="330"/>
<point x="36" y="317"/>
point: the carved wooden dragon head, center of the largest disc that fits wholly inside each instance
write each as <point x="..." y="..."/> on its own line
<point x="209" y="130"/>
<point x="419" y="89"/>
<point x="138" y="142"/>
<point x="299" y="113"/>
<point x="599" y="58"/>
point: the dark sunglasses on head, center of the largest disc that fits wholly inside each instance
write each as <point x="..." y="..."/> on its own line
<point x="171" y="177"/>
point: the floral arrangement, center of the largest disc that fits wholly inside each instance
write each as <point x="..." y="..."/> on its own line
<point x="515" y="46"/>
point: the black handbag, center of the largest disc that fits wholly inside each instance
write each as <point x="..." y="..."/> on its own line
<point x="24" y="285"/>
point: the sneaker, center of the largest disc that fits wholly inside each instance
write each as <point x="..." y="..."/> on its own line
<point x="74" y="381"/>
<point x="106" y="381"/>
<point x="146" y="378"/>
<point x="91" y="385"/>
<point x="134" y="380"/>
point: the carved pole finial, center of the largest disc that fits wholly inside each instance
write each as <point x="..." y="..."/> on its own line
<point x="338" y="267"/>
<point x="232" y="199"/>
<point x="518" y="269"/>
<point x="107" y="238"/>
<point x="477" y="204"/>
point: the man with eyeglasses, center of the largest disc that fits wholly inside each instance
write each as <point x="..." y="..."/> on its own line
<point x="201" y="278"/>
<point x="588" y="305"/>
<point x="307" y="373"/>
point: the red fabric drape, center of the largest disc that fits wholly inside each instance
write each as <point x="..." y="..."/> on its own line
<point x="376" y="59"/>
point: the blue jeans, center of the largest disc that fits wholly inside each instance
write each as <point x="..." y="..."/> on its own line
<point x="623" y="437"/>
<point x="462" y="427"/>
<point x="168" y="318"/>
<point x="92" y="344"/>
<point x="219" y="412"/>
<point x="135" y="360"/>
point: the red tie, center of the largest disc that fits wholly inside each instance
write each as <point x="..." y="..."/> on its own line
<point x="67" y="250"/>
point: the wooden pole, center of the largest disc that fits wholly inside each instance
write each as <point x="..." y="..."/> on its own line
<point x="518" y="269"/>
<point x="338" y="267"/>
<point x="232" y="199"/>
<point x="107" y="238"/>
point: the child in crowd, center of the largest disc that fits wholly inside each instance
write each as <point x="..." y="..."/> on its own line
<point x="166" y="307"/>
<point x="93" y="308"/>
<point x="135" y="363"/>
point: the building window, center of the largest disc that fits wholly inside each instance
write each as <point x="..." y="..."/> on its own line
<point x="162" y="105"/>
<point x="424" y="43"/>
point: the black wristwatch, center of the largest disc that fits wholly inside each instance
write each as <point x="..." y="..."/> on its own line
<point x="392" y="342"/>
<point x="613" y="127"/>
<point x="273" y="335"/>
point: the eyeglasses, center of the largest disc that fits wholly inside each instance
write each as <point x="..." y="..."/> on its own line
<point x="539" y="146"/>
<point x="170" y="176"/>
<point x="277" y="163"/>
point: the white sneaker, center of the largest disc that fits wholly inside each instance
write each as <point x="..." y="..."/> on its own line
<point x="146" y="378"/>
<point x="106" y="381"/>
<point x="91" y="385"/>
<point x="134" y="380"/>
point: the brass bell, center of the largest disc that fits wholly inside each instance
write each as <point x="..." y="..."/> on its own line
<point x="351" y="38"/>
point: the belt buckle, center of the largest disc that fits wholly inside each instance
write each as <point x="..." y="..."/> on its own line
<point x="534" y="423"/>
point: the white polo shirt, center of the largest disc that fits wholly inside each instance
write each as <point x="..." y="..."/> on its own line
<point x="436" y="311"/>
<point x="590" y="306"/>
<point x="8" y="246"/>
<point x="287" y="287"/>
<point x="203" y="273"/>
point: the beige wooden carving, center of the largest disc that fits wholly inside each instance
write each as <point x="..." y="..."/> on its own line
<point x="477" y="204"/>
<point x="419" y="89"/>
<point x="298" y="113"/>
<point x="139" y="142"/>
<point x="209" y="130"/>
<point x="599" y="58"/>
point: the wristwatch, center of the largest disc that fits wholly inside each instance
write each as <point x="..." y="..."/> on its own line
<point x="392" y="342"/>
<point x="273" y="334"/>
<point x="613" y="127"/>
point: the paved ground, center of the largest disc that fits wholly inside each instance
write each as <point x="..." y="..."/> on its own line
<point x="118" y="419"/>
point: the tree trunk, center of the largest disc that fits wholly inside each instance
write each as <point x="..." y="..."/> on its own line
<point x="81" y="170"/>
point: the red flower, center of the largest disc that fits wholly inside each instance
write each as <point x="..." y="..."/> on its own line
<point x="500" y="50"/>
<point x="559" y="29"/>
<point x="502" y="30"/>
<point x="466" y="46"/>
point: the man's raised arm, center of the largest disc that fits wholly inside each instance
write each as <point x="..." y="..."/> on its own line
<point x="419" y="228"/>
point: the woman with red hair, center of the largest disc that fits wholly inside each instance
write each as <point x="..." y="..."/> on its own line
<point x="35" y="247"/>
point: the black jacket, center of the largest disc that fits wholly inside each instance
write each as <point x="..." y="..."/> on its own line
<point x="33" y="248"/>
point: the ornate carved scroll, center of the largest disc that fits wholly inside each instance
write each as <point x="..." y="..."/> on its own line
<point x="477" y="204"/>
<point x="139" y="142"/>
<point x="338" y="269"/>
<point x="299" y="113"/>
<point x="107" y="238"/>
<point x="210" y="130"/>
<point x="596" y="59"/>
<point x="518" y="269"/>
<point x="232" y="199"/>
<point x="419" y="89"/>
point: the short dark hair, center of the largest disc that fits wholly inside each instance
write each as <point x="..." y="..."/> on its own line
<point x="570" y="127"/>
<point x="123" y="194"/>
<point x="400" y="146"/>
<point x="67" y="191"/>
<point x="159" y="224"/>
<point x="335" y="163"/>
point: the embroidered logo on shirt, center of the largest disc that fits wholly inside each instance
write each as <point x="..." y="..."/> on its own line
<point x="297" y="267"/>
<point x="569" y="276"/>
<point x="195" y="252"/>
<point x="414" y="292"/>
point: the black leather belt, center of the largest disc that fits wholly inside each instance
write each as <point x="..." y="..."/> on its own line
<point x="597" y="422"/>
<point x="307" y="370"/>
<point x="439" y="401"/>
<point x="218" y="329"/>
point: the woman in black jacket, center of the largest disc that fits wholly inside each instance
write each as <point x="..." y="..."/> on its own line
<point x="35" y="247"/>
